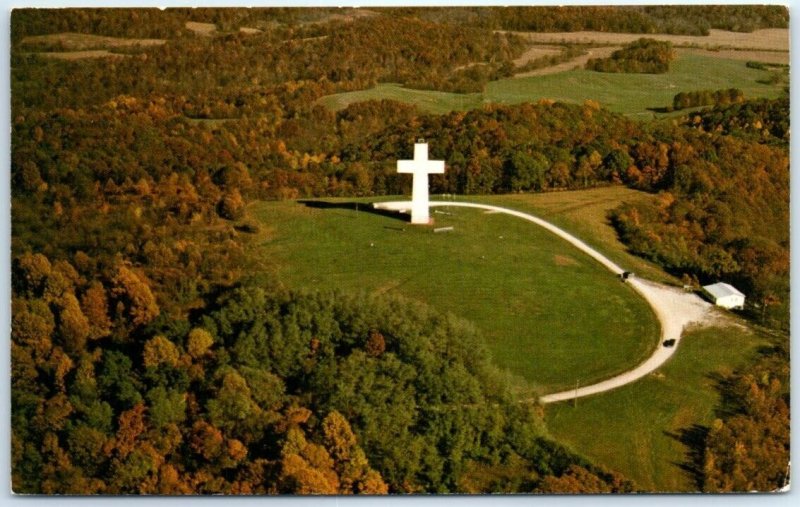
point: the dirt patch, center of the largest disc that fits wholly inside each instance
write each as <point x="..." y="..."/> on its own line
<point x="769" y="39"/>
<point x="70" y="41"/>
<point x="579" y="62"/>
<point x="80" y="55"/>
<point x="468" y="65"/>
<point x="778" y="57"/>
<point x="565" y="260"/>
<point x="249" y="31"/>
<point x="204" y="29"/>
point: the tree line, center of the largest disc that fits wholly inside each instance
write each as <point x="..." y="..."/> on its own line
<point x="677" y="19"/>
<point x="685" y="100"/>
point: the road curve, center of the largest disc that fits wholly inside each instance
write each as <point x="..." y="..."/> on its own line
<point x="674" y="308"/>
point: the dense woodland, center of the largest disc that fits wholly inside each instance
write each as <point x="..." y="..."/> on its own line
<point x="747" y="447"/>
<point x="143" y="359"/>
<point x="683" y="19"/>
<point x="169" y="23"/>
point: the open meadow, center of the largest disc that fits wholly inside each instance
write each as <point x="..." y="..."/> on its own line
<point x="645" y="429"/>
<point x="550" y="314"/>
<point x="502" y="275"/>
<point x="635" y="95"/>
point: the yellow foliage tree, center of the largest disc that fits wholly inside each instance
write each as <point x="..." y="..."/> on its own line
<point x="158" y="351"/>
<point x="198" y="342"/>
<point x="135" y="295"/>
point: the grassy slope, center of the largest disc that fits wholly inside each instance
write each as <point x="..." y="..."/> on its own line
<point x="426" y="100"/>
<point x="635" y="429"/>
<point x="547" y="310"/>
<point x="631" y="429"/>
<point x="631" y="94"/>
<point x="585" y="213"/>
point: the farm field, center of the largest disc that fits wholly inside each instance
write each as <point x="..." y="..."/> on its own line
<point x="773" y="39"/>
<point x="634" y="94"/>
<point x="630" y="94"/>
<point x="83" y="41"/>
<point x="638" y="429"/>
<point x="498" y="272"/>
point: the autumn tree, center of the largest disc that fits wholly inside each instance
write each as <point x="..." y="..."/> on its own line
<point x="94" y="304"/>
<point x="351" y="463"/>
<point x="134" y="297"/>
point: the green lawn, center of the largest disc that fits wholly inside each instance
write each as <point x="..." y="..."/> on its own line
<point x="550" y="314"/>
<point x="635" y="429"/>
<point x="585" y="214"/>
<point x="630" y="94"/>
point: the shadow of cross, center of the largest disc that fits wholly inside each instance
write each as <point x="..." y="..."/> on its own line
<point x="420" y="168"/>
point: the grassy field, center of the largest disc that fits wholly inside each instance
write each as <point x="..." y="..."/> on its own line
<point x="550" y="314"/>
<point x="630" y="94"/>
<point x="426" y="100"/>
<point x="633" y="94"/>
<point x="83" y="41"/>
<point x="585" y="213"/>
<point x="637" y="429"/>
<point x="519" y="285"/>
<point x="775" y="39"/>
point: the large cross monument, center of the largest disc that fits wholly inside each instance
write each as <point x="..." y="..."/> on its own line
<point x="420" y="168"/>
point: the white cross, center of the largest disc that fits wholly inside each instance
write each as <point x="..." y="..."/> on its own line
<point x="420" y="167"/>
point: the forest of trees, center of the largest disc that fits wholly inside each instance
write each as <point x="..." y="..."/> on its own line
<point x="143" y="359"/>
<point x="682" y="19"/>
<point x="747" y="447"/>
<point x="644" y="56"/>
<point x="705" y="225"/>
<point x="169" y="23"/>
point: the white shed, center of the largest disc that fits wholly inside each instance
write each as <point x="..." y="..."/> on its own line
<point x="724" y="295"/>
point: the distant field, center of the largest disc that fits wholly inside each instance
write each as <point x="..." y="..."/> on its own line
<point x="206" y="29"/>
<point x="79" y="55"/>
<point x="778" y="57"/>
<point x="550" y="314"/>
<point x="633" y="94"/>
<point x="534" y="52"/>
<point x="576" y="63"/>
<point x="428" y="101"/>
<point x="770" y="38"/>
<point x="82" y="42"/>
<point x="630" y="94"/>
<point x="636" y="429"/>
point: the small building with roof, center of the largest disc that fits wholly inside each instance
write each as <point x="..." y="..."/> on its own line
<point x="725" y="295"/>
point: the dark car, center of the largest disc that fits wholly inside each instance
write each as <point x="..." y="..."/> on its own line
<point x="669" y="343"/>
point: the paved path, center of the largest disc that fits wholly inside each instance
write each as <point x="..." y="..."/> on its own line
<point x="674" y="308"/>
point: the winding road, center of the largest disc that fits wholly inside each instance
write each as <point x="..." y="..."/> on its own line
<point x="674" y="308"/>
